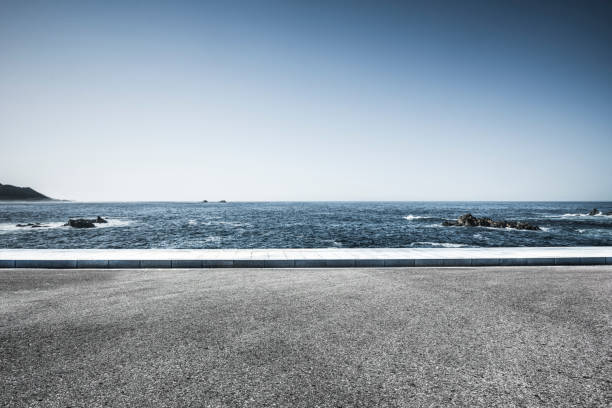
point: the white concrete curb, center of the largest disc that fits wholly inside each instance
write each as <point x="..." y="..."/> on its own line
<point x="302" y="257"/>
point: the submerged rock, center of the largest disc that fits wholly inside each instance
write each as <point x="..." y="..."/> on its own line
<point x="468" y="220"/>
<point x="594" y="211"/>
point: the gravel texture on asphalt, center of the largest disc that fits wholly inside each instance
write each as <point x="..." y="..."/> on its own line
<point x="506" y="336"/>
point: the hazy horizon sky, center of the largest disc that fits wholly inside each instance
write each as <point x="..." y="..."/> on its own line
<point x="285" y="100"/>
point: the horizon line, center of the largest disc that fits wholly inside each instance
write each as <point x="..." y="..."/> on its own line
<point x="298" y="201"/>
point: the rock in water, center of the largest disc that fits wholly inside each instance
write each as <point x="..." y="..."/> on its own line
<point x="31" y="225"/>
<point x="85" y="223"/>
<point x="468" y="220"/>
<point x="594" y="211"/>
<point x="80" y="223"/>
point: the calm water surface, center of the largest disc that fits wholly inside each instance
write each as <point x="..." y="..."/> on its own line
<point x="301" y="225"/>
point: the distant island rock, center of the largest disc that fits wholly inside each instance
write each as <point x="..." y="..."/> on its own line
<point x="223" y="201"/>
<point x="13" y="193"/>
<point x="85" y="223"/>
<point x="468" y="220"/>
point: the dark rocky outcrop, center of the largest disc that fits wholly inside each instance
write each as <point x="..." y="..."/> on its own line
<point x="31" y="225"/>
<point x="85" y="223"/>
<point x="594" y="211"/>
<point x="223" y="201"/>
<point x="205" y="201"/>
<point x="80" y="223"/>
<point x="13" y="193"/>
<point x="468" y="220"/>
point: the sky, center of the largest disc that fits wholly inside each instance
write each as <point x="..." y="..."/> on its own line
<point x="304" y="101"/>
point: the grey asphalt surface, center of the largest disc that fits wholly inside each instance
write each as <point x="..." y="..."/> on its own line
<point x="507" y="336"/>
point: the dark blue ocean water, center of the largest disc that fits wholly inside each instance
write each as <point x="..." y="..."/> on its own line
<point x="301" y="225"/>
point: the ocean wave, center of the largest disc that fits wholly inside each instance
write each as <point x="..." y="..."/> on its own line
<point x="516" y="229"/>
<point x="543" y="229"/>
<point x="115" y="222"/>
<point x="333" y="243"/>
<point x="574" y="215"/>
<point x="44" y="226"/>
<point x="438" y="244"/>
<point x="8" y="228"/>
<point x="411" y="217"/>
<point x="230" y="223"/>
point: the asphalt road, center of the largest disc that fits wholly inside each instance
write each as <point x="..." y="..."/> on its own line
<point x="538" y="336"/>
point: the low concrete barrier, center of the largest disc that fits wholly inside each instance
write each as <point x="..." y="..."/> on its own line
<point x="295" y="263"/>
<point x="303" y="257"/>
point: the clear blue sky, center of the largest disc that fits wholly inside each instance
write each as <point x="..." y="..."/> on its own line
<point x="286" y="100"/>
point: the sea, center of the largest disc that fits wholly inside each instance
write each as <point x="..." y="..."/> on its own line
<point x="301" y="224"/>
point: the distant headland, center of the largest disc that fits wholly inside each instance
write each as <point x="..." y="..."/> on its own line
<point x="13" y="193"/>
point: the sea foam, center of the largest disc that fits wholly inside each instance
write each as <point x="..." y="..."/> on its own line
<point x="45" y="226"/>
<point x="6" y="227"/>
<point x="411" y="217"/>
<point x="572" y="215"/>
<point x="114" y="222"/>
<point x="438" y="244"/>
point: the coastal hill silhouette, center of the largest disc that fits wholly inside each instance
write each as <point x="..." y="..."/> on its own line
<point x="14" y="193"/>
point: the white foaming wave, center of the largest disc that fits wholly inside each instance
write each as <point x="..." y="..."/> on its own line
<point x="334" y="243"/>
<point x="193" y="222"/>
<point x="114" y="222"/>
<point x="581" y="231"/>
<point x="545" y="229"/>
<point x="411" y="217"/>
<point x="510" y="229"/>
<point x="439" y="244"/>
<point x="230" y="223"/>
<point x="110" y="223"/>
<point x="6" y="227"/>
<point x="571" y="215"/>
